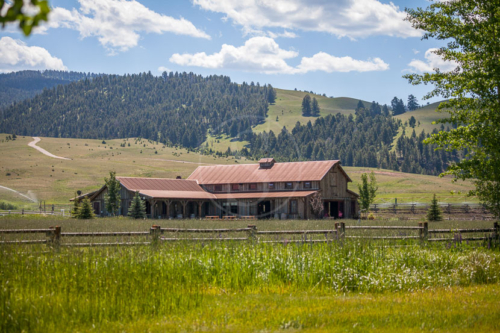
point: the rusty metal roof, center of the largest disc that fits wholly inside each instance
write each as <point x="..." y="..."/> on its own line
<point x="159" y="184"/>
<point x="196" y="195"/>
<point x="264" y="195"/>
<point x="251" y="173"/>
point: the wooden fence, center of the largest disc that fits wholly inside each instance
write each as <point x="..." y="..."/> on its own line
<point x="156" y="234"/>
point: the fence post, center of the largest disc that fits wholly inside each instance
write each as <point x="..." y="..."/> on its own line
<point x="342" y="230"/>
<point x="54" y="237"/>
<point x="497" y="231"/>
<point x="423" y="233"/>
<point x="155" y="232"/>
<point x="251" y="233"/>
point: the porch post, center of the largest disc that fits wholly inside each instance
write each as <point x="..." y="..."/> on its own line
<point x="199" y="209"/>
<point x="184" y="204"/>
<point x="152" y="204"/>
<point x="167" y="202"/>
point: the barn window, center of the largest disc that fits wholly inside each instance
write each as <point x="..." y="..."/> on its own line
<point x="235" y="187"/>
<point x="307" y="184"/>
<point x="271" y="186"/>
<point x="288" y="186"/>
<point x="293" y="206"/>
<point x="218" y="188"/>
<point x="252" y="186"/>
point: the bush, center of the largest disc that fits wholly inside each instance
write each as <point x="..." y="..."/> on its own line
<point x="434" y="212"/>
<point x="7" y="206"/>
<point x="85" y="211"/>
<point x="137" y="208"/>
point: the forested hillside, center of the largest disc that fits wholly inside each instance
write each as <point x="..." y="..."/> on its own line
<point x="173" y="108"/>
<point x="18" y="86"/>
<point x="364" y="140"/>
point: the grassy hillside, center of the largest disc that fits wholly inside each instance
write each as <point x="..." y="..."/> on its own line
<point x="28" y="171"/>
<point x="288" y="108"/>
<point x="426" y="116"/>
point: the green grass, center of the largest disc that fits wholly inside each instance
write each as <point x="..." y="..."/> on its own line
<point x="288" y="108"/>
<point x="28" y="171"/>
<point x="246" y="287"/>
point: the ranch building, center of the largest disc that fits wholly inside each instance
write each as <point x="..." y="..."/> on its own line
<point x="263" y="190"/>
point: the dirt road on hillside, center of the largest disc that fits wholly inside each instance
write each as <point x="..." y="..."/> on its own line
<point x="43" y="151"/>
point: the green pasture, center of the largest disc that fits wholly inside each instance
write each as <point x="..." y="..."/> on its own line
<point x="347" y="286"/>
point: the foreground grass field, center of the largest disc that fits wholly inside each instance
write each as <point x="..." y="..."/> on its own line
<point x="348" y="286"/>
<point x="28" y="171"/>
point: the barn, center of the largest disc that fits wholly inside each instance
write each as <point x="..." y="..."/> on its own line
<point x="263" y="190"/>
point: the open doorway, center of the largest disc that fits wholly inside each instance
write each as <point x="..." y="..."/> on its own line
<point x="264" y="209"/>
<point x="335" y="209"/>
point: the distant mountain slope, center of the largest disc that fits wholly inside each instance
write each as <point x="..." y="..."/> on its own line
<point x="288" y="109"/>
<point x="175" y="108"/>
<point x="18" y="86"/>
<point x="426" y="116"/>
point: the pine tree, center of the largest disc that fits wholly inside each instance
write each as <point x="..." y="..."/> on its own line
<point x="315" y="108"/>
<point x="75" y="208"/>
<point x="306" y="106"/>
<point x="112" y="197"/>
<point x="137" y="207"/>
<point x="412" y="103"/>
<point x="85" y="212"/>
<point x="434" y="212"/>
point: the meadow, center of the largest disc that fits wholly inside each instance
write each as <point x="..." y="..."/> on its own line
<point x="353" y="285"/>
<point x="55" y="181"/>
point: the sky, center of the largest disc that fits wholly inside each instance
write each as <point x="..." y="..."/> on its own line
<point x="342" y="48"/>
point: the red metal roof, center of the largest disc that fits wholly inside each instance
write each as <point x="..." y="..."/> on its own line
<point x="178" y="194"/>
<point x="264" y="195"/>
<point x="159" y="184"/>
<point x="251" y="173"/>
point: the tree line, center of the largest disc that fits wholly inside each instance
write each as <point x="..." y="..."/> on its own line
<point x="174" y="108"/>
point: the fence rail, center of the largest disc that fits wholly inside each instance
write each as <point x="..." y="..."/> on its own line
<point x="54" y="235"/>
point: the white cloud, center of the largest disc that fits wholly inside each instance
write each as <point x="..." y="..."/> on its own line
<point x="259" y="54"/>
<point x="162" y="69"/>
<point x="415" y="51"/>
<point x="263" y="54"/>
<point x="342" y="18"/>
<point x="284" y="34"/>
<point x="432" y="61"/>
<point x="324" y="62"/>
<point x="16" y="55"/>
<point x="118" y="23"/>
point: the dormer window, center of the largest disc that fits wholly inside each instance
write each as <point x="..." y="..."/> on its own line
<point x="252" y="187"/>
<point x="218" y="188"/>
<point x="307" y="184"/>
<point x="288" y="186"/>
<point x="235" y="187"/>
<point x="266" y="163"/>
<point x="271" y="186"/>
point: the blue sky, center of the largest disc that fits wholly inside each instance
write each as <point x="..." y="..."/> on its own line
<point x="353" y="48"/>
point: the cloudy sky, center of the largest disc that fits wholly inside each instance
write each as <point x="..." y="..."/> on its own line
<point x="353" y="48"/>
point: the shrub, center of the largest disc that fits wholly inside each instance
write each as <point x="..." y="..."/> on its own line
<point x="7" y="206"/>
<point x="85" y="211"/>
<point x="137" y="208"/>
<point x="434" y="212"/>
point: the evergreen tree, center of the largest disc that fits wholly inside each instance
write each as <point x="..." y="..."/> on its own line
<point x="112" y="197"/>
<point x="75" y="208"/>
<point x="412" y="122"/>
<point x="315" y="108"/>
<point x="137" y="207"/>
<point x="306" y="106"/>
<point x="367" y="191"/>
<point x="398" y="107"/>
<point x="412" y="103"/>
<point x="271" y="94"/>
<point x="434" y="212"/>
<point x="85" y="212"/>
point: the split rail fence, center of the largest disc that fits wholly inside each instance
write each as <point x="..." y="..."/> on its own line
<point x="157" y="234"/>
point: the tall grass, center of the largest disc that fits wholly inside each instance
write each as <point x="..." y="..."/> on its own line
<point x="41" y="289"/>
